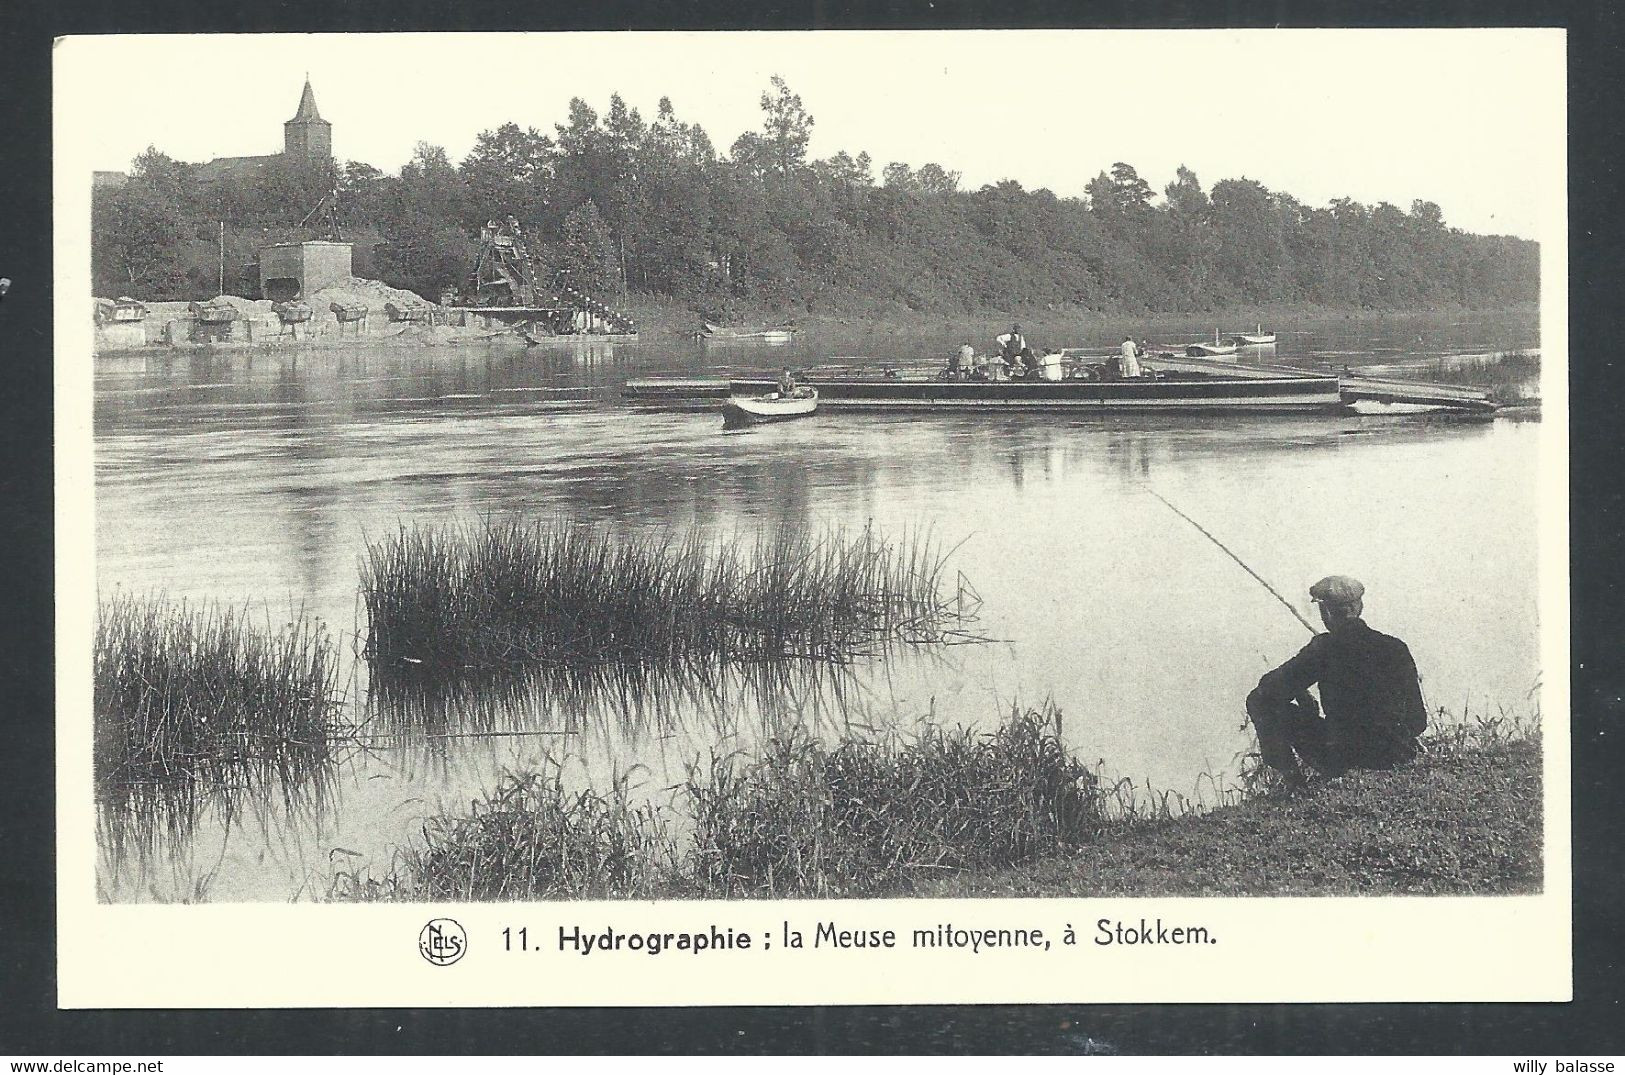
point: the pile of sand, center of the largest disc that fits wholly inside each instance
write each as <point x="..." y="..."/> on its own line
<point x="248" y="309"/>
<point x="372" y="294"/>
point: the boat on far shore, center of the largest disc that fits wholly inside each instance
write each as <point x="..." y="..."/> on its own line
<point x="1256" y="338"/>
<point x="1211" y="350"/>
<point x="743" y="411"/>
<point x="780" y="334"/>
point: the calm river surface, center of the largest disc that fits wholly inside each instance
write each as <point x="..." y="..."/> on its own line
<point x="259" y="479"/>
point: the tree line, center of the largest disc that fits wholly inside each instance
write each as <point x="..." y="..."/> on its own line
<point x="624" y="205"/>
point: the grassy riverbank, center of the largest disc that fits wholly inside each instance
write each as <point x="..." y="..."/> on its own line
<point x="1000" y="813"/>
<point x="1456" y="822"/>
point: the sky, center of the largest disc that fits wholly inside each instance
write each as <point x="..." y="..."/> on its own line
<point x="1470" y="119"/>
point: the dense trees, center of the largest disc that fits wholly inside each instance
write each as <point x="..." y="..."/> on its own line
<point x="617" y="202"/>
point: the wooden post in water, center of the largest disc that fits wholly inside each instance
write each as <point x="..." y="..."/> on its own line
<point x="222" y="290"/>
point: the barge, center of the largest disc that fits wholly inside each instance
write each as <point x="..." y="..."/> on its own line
<point x="1192" y="392"/>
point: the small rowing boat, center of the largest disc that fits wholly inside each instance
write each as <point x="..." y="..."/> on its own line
<point x="740" y="412"/>
<point x="717" y="333"/>
<point x="1211" y="350"/>
<point x="1256" y="338"/>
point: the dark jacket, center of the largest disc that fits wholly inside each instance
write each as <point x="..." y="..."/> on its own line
<point x="1368" y="690"/>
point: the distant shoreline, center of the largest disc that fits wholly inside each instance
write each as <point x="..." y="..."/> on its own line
<point x="664" y="322"/>
<point x="668" y="320"/>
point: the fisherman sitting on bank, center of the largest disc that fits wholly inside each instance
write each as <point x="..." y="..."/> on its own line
<point x="1368" y="686"/>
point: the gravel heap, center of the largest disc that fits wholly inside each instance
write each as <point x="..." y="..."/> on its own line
<point x="372" y="294"/>
<point x="248" y="309"/>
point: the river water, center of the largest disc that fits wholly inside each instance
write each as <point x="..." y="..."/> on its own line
<point x="259" y="480"/>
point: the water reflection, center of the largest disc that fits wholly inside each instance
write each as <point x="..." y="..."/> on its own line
<point x="146" y="829"/>
<point x="173" y="839"/>
<point x="604" y="708"/>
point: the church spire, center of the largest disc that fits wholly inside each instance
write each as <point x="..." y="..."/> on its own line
<point x="307" y="134"/>
<point x="307" y="104"/>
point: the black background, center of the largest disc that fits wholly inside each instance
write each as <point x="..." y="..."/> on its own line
<point x="29" y="1020"/>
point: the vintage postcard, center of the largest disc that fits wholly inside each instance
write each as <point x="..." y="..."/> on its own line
<point x="784" y="518"/>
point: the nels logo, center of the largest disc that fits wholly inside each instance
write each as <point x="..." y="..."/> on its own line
<point x="442" y="942"/>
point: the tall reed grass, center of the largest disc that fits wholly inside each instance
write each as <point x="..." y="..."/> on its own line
<point x="531" y="838"/>
<point x="515" y="592"/>
<point x="181" y="688"/>
<point x="804" y="819"/>
<point x="800" y="818"/>
<point x="1510" y="376"/>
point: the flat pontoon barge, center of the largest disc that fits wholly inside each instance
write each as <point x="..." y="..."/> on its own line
<point x="1295" y="395"/>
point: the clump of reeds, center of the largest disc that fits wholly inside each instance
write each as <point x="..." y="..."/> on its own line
<point x="515" y="592"/>
<point x="182" y="689"/>
<point x="531" y="838"/>
<point x="1510" y="376"/>
<point x="807" y="819"/>
<point x="800" y="818"/>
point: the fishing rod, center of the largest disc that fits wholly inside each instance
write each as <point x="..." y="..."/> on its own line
<point x="1225" y="549"/>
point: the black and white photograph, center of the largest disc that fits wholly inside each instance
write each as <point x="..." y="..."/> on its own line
<point x="1032" y="506"/>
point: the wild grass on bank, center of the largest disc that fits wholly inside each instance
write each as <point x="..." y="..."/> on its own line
<point x="515" y="592"/>
<point x="1463" y="818"/>
<point x="1485" y="732"/>
<point x="800" y="818"/>
<point x="806" y="819"/>
<point x="1125" y="802"/>
<point x="531" y="838"/>
<point x="1510" y="376"/>
<point x="182" y="688"/>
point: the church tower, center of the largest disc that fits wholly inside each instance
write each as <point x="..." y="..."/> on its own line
<point x="307" y="134"/>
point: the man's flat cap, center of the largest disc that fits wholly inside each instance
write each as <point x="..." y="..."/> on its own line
<point x="1337" y="590"/>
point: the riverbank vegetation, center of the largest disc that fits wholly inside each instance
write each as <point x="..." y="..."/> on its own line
<point x="1006" y="812"/>
<point x="1512" y="377"/>
<point x="201" y="707"/>
<point x="806" y="819"/>
<point x="652" y="210"/>
<point x="800" y="818"/>
<point x="182" y="688"/>
<point x="531" y="838"/>
<point x="1464" y="819"/>
<point x="516" y="593"/>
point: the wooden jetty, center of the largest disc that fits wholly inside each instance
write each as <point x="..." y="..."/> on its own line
<point x="1354" y="389"/>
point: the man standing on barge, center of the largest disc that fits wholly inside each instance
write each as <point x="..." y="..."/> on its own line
<point x="1368" y="686"/>
<point x="1129" y="363"/>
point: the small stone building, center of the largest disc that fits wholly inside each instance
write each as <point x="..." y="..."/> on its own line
<point x="298" y="270"/>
